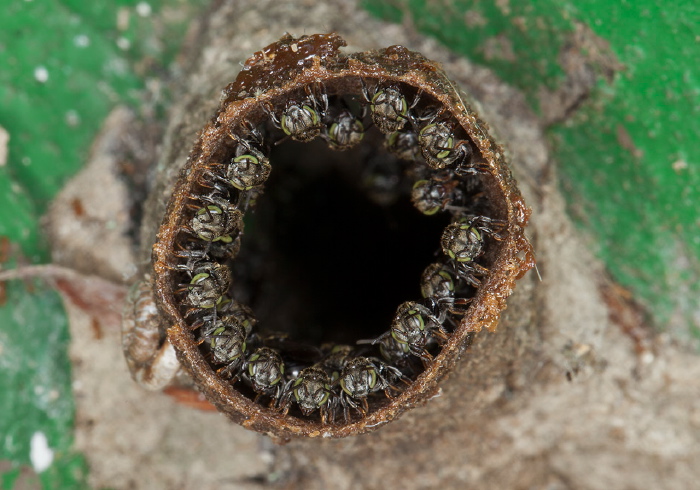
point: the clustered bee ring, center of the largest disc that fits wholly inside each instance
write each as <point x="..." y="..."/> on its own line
<point x="304" y="90"/>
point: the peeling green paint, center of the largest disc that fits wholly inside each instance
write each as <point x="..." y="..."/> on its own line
<point x="629" y="155"/>
<point x="65" y="64"/>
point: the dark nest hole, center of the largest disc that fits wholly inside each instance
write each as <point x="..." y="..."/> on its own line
<point x="326" y="259"/>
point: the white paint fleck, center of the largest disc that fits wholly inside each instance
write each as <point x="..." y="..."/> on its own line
<point x="679" y="165"/>
<point x="143" y="9"/>
<point x="118" y="67"/>
<point x="4" y="143"/>
<point x="41" y="74"/>
<point x="72" y="118"/>
<point x="40" y="454"/>
<point x="26" y="161"/>
<point x="81" y="41"/>
<point x="123" y="19"/>
<point x="123" y="43"/>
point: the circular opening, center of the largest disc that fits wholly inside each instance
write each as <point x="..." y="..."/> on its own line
<point x="325" y="259"/>
<point x="337" y="246"/>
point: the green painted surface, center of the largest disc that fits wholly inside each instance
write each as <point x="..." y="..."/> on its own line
<point x="629" y="156"/>
<point x="63" y="65"/>
<point x="635" y="193"/>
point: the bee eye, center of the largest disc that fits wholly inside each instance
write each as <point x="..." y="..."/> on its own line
<point x="349" y="179"/>
<point x="246" y="159"/>
<point x="198" y="279"/>
<point x="373" y="378"/>
<point x="326" y="396"/>
<point x="344" y="387"/>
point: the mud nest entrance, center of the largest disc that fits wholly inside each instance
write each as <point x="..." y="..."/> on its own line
<point x="343" y="221"/>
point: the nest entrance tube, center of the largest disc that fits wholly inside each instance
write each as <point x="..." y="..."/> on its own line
<point x="325" y="260"/>
<point x="375" y="206"/>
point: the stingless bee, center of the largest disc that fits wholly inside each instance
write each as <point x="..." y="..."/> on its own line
<point x="311" y="391"/>
<point x="389" y="108"/>
<point x="217" y="220"/>
<point x="438" y="288"/>
<point x="345" y="131"/>
<point x="413" y="326"/>
<point x="463" y="242"/>
<point x="227" y="341"/>
<point x="403" y="145"/>
<point x="438" y="145"/>
<point x="248" y="168"/>
<point x="435" y="194"/>
<point x="302" y="119"/>
<point x="264" y="370"/>
<point x="362" y="376"/>
<point x="209" y="284"/>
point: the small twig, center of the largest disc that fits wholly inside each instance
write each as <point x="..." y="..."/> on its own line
<point x="48" y="271"/>
<point x="99" y="297"/>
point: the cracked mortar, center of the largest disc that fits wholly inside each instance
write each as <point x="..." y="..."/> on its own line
<point x="557" y="397"/>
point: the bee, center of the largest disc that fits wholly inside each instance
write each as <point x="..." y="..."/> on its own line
<point x="362" y="376"/>
<point x="335" y="360"/>
<point x="463" y="242"/>
<point x="302" y="120"/>
<point x="194" y="253"/>
<point x="438" y="287"/>
<point x="345" y="132"/>
<point x="395" y="352"/>
<point x="296" y="355"/>
<point x="227" y="341"/>
<point x="248" y="168"/>
<point x="311" y="391"/>
<point x="438" y="145"/>
<point x="435" y="194"/>
<point x="209" y="284"/>
<point x="242" y="314"/>
<point x="413" y="326"/>
<point x="264" y="370"/>
<point x="389" y="108"/>
<point x="381" y="179"/>
<point x="436" y="282"/>
<point x="217" y="220"/>
<point x="403" y="145"/>
<point x="227" y="308"/>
